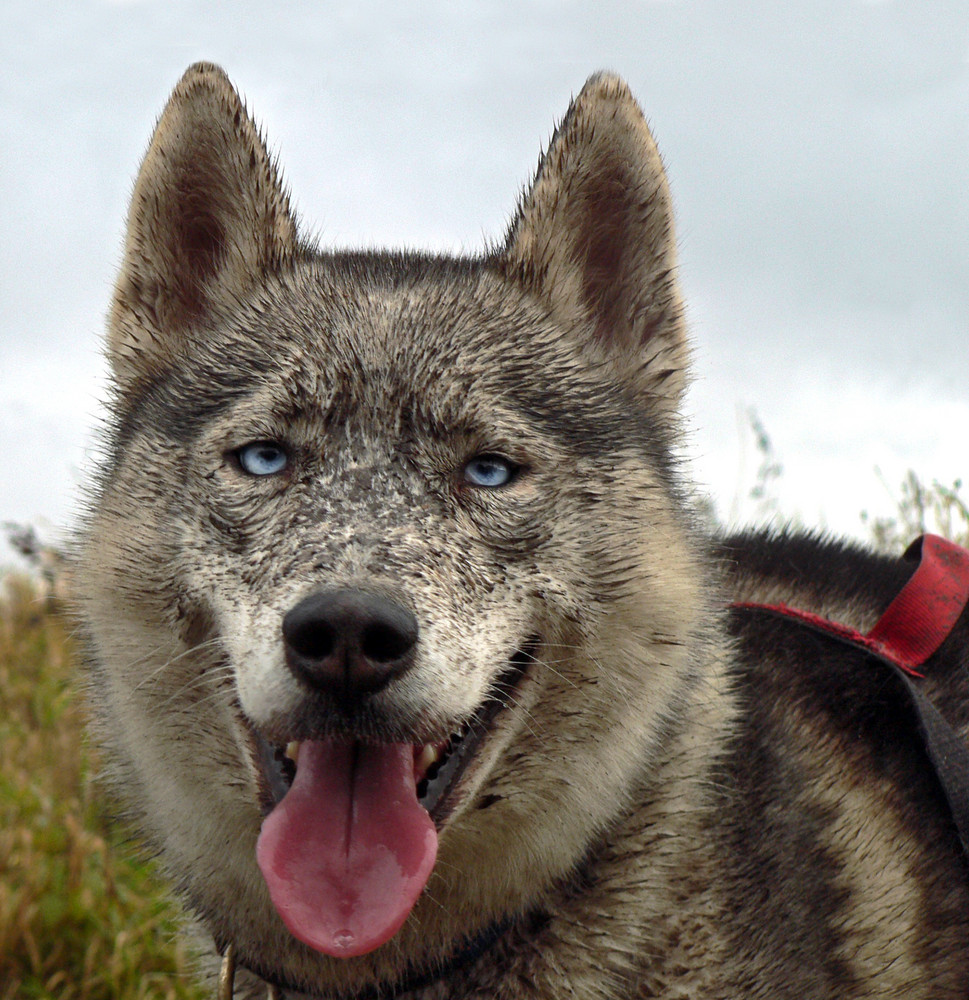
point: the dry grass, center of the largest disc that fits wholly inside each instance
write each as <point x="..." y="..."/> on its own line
<point x="82" y="916"/>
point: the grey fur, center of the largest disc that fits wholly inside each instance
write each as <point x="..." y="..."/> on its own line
<point x="651" y="814"/>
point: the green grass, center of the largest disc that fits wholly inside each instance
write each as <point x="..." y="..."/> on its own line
<point x="82" y="915"/>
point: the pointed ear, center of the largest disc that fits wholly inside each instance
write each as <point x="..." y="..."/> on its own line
<point x="208" y="218"/>
<point x="594" y="239"/>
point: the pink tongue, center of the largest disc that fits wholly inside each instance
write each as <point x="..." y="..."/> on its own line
<point x="349" y="849"/>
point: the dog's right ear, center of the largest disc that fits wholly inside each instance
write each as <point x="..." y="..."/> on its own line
<point x="208" y="218"/>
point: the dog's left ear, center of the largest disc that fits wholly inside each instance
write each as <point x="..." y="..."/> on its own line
<point x="593" y="238"/>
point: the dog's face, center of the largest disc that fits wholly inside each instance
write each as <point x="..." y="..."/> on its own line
<point x="382" y="448"/>
<point x="377" y="544"/>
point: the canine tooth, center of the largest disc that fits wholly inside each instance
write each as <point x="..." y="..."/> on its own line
<point x="428" y="756"/>
<point x="292" y="750"/>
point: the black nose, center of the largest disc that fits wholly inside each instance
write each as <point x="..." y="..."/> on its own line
<point x="348" y="643"/>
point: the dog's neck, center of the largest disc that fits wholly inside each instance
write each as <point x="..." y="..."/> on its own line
<point x="277" y="989"/>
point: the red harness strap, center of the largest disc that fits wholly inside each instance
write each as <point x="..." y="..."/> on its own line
<point x="912" y="628"/>
<point x="917" y="622"/>
<point x="927" y="608"/>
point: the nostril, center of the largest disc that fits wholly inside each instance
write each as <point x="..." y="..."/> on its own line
<point x="314" y="640"/>
<point x="384" y="642"/>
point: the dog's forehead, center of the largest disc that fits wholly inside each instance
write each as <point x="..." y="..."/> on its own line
<point x="380" y="345"/>
<point x="425" y="316"/>
<point x="428" y="330"/>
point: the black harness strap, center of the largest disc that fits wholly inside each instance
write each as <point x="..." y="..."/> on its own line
<point x="949" y="755"/>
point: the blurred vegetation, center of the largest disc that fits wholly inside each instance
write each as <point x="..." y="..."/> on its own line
<point x="769" y="471"/>
<point x="82" y="915"/>
<point x="920" y="508"/>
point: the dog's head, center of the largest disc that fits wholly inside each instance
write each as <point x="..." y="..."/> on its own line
<point x="389" y="556"/>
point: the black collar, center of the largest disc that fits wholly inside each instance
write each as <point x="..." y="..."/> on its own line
<point x="414" y="979"/>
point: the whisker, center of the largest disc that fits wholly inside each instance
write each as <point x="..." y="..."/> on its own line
<point x="218" y="676"/>
<point x="154" y="674"/>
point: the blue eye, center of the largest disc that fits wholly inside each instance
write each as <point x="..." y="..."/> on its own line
<point x="489" y="471"/>
<point x="263" y="458"/>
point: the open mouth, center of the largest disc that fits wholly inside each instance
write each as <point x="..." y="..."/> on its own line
<point x="438" y="767"/>
<point x="446" y="763"/>
<point x="350" y="838"/>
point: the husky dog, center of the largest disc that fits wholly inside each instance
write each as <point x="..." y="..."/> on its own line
<point x="411" y="658"/>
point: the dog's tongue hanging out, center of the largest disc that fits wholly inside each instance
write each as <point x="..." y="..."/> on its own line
<point x="349" y="849"/>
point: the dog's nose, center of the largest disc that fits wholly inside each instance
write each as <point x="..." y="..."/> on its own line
<point x="348" y="642"/>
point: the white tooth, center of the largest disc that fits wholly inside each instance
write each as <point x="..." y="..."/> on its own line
<point x="428" y="755"/>
<point x="292" y="751"/>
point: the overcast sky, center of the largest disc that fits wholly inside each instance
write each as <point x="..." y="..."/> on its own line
<point x="817" y="152"/>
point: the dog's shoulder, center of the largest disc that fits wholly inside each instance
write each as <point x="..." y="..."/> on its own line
<point x="830" y="793"/>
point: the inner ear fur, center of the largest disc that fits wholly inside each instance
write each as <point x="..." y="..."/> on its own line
<point x="594" y="239"/>
<point x="208" y="218"/>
